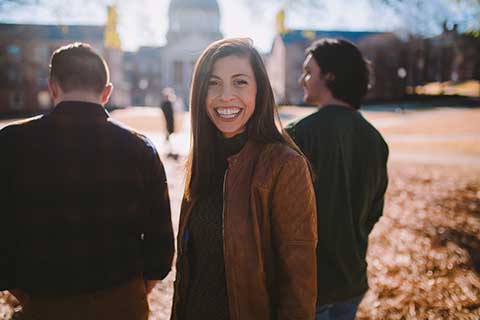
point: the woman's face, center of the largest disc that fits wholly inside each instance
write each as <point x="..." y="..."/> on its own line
<point x="232" y="89"/>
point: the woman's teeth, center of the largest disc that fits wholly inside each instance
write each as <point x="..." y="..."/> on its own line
<point x="228" y="113"/>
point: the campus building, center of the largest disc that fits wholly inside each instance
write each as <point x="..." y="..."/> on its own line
<point x="384" y="50"/>
<point x="448" y="63"/>
<point x="400" y="66"/>
<point x="192" y="26"/>
<point x="138" y="77"/>
<point x="25" y="51"/>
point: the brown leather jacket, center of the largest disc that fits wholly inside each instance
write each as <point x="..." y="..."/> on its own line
<point x="270" y="236"/>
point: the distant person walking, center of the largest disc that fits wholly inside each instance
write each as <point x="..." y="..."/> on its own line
<point x="86" y="225"/>
<point x="349" y="158"/>
<point x="168" y="98"/>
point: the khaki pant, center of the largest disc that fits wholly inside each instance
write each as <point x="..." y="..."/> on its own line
<point x="125" y="302"/>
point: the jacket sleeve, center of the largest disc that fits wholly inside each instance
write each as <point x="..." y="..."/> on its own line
<point x="158" y="240"/>
<point x="294" y="233"/>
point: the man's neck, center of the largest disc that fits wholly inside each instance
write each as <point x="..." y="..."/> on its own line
<point x="79" y="96"/>
<point x="336" y="102"/>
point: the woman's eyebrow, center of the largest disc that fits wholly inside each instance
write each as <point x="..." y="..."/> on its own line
<point x="241" y="75"/>
<point x="233" y="76"/>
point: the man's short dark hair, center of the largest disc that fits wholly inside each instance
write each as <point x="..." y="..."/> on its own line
<point x="77" y="66"/>
<point x="349" y="68"/>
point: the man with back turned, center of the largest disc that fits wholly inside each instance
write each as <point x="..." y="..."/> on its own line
<point x="86" y="217"/>
<point x="349" y="159"/>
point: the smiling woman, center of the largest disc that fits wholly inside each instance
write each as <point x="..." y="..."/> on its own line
<point x="231" y="94"/>
<point x="247" y="233"/>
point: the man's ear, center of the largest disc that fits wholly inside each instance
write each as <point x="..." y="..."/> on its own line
<point x="329" y="76"/>
<point x="54" y="89"/>
<point x="107" y="91"/>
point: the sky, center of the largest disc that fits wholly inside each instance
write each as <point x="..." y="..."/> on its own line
<point x="145" y="22"/>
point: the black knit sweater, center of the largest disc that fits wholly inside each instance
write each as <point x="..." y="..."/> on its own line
<point x="349" y="159"/>
<point x="207" y="293"/>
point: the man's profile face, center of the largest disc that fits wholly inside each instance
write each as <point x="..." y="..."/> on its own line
<point x="313" y="82"/>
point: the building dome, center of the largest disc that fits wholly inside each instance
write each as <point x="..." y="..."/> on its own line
<point x="192" y="26"/>
<point x="187" y="17"/>
<point x="211" y="5"/>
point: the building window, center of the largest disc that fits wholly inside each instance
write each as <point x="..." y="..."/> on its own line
<point x="13" y="75"/>
<point x="16" y="101"/>
<point x="175" y="24"/>
<point x="143" y="68"/>
<point x="178" y="72"/>
<point x="41" y="55"/>
<point x="42" y="77"/>
<point x="14" y="52"/>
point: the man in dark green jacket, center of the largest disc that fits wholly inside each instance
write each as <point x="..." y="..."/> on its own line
<point x="349" y="160"/>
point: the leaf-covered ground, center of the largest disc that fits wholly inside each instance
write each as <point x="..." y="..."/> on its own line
<point x="424" y="254"/>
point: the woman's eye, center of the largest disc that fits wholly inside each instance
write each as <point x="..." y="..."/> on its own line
<point x="240" y="82"/>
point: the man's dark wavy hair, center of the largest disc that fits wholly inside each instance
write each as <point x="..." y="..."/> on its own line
<point x="350" y="70"/>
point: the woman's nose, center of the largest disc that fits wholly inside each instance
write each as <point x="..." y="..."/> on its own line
<point x="226" y="93"/>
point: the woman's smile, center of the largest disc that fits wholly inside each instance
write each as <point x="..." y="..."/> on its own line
<point x="228" y="113"/>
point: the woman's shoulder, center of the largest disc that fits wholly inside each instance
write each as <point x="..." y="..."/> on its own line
<point x="276" y="159"/>
<point x="275" y="156"/>
<point x="280" y="152"/>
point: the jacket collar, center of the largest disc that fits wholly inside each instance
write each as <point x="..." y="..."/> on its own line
<point x="81" y="109"/>
<point x="251" y="147"/>
<point x="251" y="150"/>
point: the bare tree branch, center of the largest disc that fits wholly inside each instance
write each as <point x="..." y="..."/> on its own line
<point x="424" y="17"/>
<point x="427" y="17"/>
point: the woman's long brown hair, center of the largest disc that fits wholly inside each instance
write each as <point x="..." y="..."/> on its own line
<point x="204" y="156"/>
